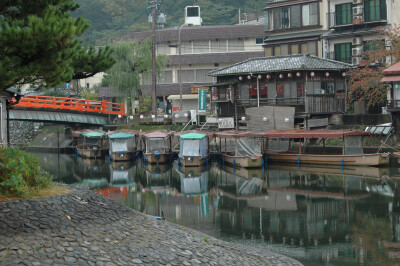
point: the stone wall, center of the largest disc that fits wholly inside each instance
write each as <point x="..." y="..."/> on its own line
<point x="22" y="132"/>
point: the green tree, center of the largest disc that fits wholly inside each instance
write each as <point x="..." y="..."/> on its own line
<point x="132" y="59"/>
<point x="40" y="45"/>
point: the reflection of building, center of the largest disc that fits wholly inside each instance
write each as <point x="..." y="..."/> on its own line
<point x="91" y="173"/>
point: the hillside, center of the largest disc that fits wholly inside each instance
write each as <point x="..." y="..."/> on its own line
<point x="111" y="18"/>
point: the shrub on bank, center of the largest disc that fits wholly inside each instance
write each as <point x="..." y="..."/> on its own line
<point x="20" y="173"/>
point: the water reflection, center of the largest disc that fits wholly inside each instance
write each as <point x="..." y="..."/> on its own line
<point x="316" y="215"/>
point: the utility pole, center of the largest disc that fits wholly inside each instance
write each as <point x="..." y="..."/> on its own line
<point x="153" y="55"/>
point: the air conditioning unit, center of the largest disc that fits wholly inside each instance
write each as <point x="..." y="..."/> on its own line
<point x="355" y="60"/>
<point x="355" y="2"/>
<point x="356" y="41"/>
<point x="357" y="10"/>
<point x="356" y="51"/>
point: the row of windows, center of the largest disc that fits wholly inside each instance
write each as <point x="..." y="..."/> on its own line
<point x="373" y="10"/>
<point x="343" y="51"/>
<point x="194" y="76"/>
<point x="295" y="48"/>
<point x="281" y="90"/>
<point x="198" y="47"/>
<point x="294" y="16"/>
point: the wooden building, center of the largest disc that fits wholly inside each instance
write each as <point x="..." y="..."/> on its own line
<point x="316" y="87"/>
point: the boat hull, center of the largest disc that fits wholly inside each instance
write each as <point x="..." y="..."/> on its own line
<point x="243" y="161"/>
<point x="192" y="161"/>
<point x="88" y="152"/>
<point x="374" y="159"/>
<point x="159" y="158"/>
<point x="122" y="156"/>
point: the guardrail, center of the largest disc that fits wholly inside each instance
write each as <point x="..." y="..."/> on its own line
<point x="63" y="103"/>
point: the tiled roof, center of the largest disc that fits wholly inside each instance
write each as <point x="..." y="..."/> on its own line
<point x="199" y="33"/>
<point x="365" y="29"/>
<point x="281" y="63"/>
<point x="298" y="35"/>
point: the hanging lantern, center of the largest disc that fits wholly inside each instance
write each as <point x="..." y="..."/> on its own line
<point x="153" y="116"/>
<point x="249" y="77"/>
<point x="240" y="78"/>
<point x="265" y="119"/>
<point x="165" y="116"/>
<point x="290" y="75"/>
<point x="119" y="116"/>
<point x="186" y="114"/>
<point x="327" y="74"/>
<point x="344" y="74"/>
<point x="259" y="76"/>
<point x="141" y="116"/>
<point x="131" y="117"/>
<point x="281" y="76"/>
<point x="268" y="76"/>
<point x="243" y="118"/>
<point x="312" y="74"/>
<point x="298" y="74"/>
<point x="287" y="120"/>
<point x="176" y="115"/>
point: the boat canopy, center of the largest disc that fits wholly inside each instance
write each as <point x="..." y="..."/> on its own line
<point x="314" y="134"/>
<point x="208" y="134"/>
<point x="193" y="136"/>
<point x="193" y="144"/>
<point x="158" y="134"/>
<point x="237" y="134"/>
<point x="93" y="134"/>
<point x="121" y="135"/>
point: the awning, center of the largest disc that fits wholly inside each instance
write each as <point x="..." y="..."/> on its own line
<point x="157" y="134"/>
<point x="194" y="96"/>
<point x="237" y="134"/>
<point x="93" y="134"/>
<point x="121" y="135"/>
<point x="389" y="79"/>
<point x="314" y="134"/>
<point x="193" y="136"/>
<point x="209" y="134"/>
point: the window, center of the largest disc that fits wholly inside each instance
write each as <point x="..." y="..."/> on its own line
<point x="375" y="10"/>
<point x="236" y="45"/>
<point x="327" y="87"/>
<point x="280" y="90"/>
<point x="309" y="14"/>
<point x="343" y="52"/>
<point x="263" y="91"/>
<point x="187" y="76"/>
<point x="166" y="78"/>
<point x="294" y="49"/>
<point x="277" y="50"/>
<point x="343" y="14"/>
<point x="340" y="86"/>
<point x="281" y="18"/>
<point x="163" y="49"/>
<point x="218" y="46"/>
<point x="300" y="89"/>
<point x="304" y="48"/>
<point x="193" y="11"/>
<point x="200" y="47"/>
<point x="373" y="45"/>
<point x="202" y="75"/>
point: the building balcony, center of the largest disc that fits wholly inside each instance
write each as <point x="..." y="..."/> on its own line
<point x="345" y="59"/>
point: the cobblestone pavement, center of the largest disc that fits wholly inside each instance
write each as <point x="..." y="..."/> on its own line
<point x="85" y="228"/>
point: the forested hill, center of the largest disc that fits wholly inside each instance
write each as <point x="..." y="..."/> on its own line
<point x="111" y="18"/>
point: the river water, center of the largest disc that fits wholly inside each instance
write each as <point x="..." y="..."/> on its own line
<point x="317" y="215"/>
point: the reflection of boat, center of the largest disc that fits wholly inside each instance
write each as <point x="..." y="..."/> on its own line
<point x="158" y="169"/>
<point x="92" y="183"/>
<point x="194" y="147"/>
<point x="91" y="144"/>
<point x="194" y="184"/>
<point x="122" y="145"/>
<point x="245" y="172"/>
<point x="352" y="151"/>
<point x="240" y="148"/>
<point x="122" y="173"/>
<point x="157" y="146"/>
<point x="356" y="171"/>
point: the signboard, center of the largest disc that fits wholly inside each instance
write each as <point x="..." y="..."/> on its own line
<point x="175" y="108"/>
<point x="196" y="89"/>
<point x="67" y="85"/>
<point x="227" y="122"/>
<point x="202" y="100"/>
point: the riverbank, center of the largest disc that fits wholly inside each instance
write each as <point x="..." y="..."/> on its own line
<point x="85" y="228"/>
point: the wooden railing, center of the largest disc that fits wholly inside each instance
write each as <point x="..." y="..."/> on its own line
<point x="63" y="103"/>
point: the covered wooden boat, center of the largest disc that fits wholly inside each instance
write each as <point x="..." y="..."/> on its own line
<point x="194" y="147"/>
<point x="123" y="145"/>
<point x="279" y="148"/>
<point x="157" y="146"/>
<point x="91" y="144"/>
<point x="240" y="148"/>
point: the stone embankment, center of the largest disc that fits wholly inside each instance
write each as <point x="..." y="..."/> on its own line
<point x="85" y="228"/>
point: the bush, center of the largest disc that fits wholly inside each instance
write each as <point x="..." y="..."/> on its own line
<point x="20" y="173"/>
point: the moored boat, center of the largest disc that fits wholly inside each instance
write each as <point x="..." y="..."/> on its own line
<point x="157" y="146"/>
<point x="123" y="145"/>
<point x="91" y="144"/>
<point x="194" y="147"/>
<point x="279" y="148"/>
<point x="240" y="148"/>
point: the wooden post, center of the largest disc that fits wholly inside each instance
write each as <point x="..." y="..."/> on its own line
<point x="343" y="144"/>
<point x="300" y="147"/>
<point x="323" y="145"/>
